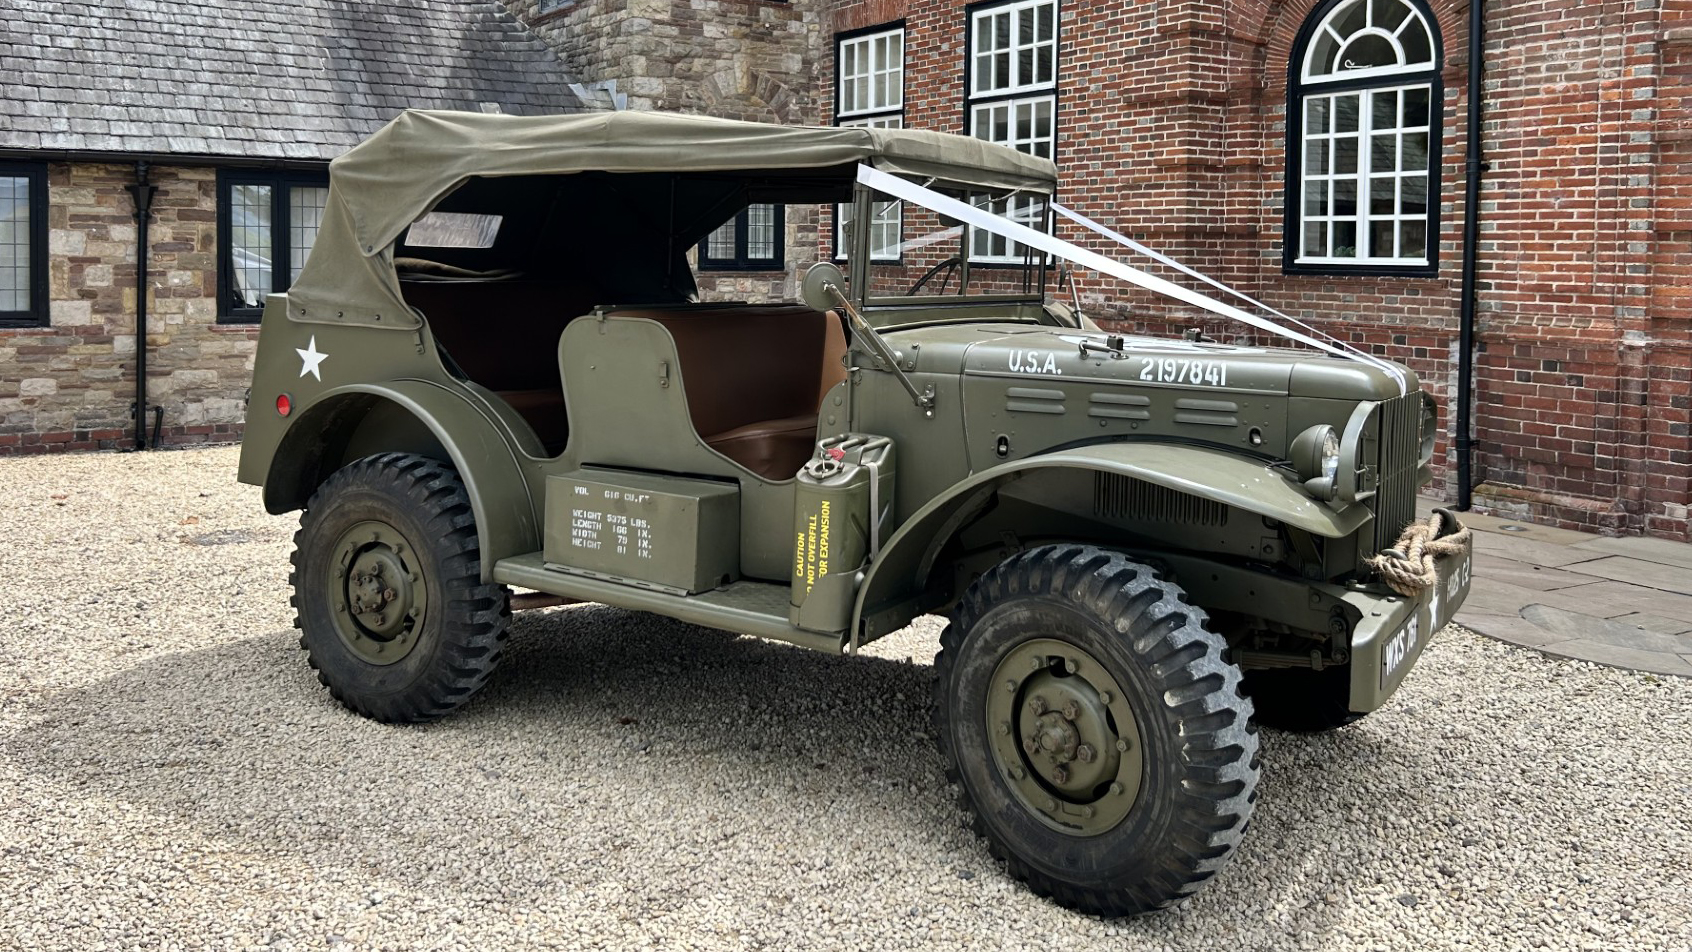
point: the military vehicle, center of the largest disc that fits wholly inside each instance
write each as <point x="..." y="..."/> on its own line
<point x="494" y="372"/>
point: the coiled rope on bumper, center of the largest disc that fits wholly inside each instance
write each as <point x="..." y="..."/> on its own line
<point x="1409" y="565"/>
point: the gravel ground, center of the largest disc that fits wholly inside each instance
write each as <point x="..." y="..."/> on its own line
<point x="171" y="776"/>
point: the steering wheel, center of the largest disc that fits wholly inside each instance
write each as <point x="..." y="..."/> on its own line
<point x="948" y="267"/>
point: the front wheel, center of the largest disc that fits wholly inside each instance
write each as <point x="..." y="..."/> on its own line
<point x="1096" y="733"/>
<point x="393" y="613"/>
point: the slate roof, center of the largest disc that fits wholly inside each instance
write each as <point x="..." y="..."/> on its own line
<point x="289" y="79"/>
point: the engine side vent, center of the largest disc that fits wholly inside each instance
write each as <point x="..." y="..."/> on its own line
<point x="1122" y="497"/>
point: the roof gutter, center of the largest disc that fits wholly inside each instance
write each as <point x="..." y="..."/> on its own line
<point x="161" y="158"/>
<point x="1474" y="167"/>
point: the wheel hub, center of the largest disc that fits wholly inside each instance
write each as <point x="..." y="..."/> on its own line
<point x="1064" y="738"/>
<point x="379" y="592"/>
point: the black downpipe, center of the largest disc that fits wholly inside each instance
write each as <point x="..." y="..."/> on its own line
<point x="1473" y="167"/>
<point x="143" y="194"/>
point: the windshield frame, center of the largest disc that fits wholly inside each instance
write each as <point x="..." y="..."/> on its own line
<point x="859" y="263"/>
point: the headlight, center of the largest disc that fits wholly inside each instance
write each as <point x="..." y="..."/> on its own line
<point x="1315" y="457"/>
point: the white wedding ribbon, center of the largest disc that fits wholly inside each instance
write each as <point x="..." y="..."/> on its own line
<point x="1050" y="244"/>
<point x="1385" y="367"/>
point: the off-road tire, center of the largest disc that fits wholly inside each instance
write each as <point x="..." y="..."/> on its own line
<point x="462" y="634"/>
<point x="1300" y="700"/>
<point x="1199" y="747"/>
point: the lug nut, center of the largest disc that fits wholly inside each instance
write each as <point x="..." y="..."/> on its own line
<point x="1104" y="697"/>
<point x="1031" y="746"/>
<point x="1017" y="773"/>
<point x="1036" y="663"/>
<point x="1010" y="686"/>
<point x="1060" y="775"/>
<point x="1037" y="704"/>
<point x="1004" y="728"/>
<point x="1084" y="754"/>
<point x="1088" y="812"/>
<point x="1051" y="805"/>
<point x="1116" y="789"/>
<point x="388" y="595"/>
<point x="1122" y="745"/>
<point x="1071" y="711"/>
<point x="1071" y="665"/>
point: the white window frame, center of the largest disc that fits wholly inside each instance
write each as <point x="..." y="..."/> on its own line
<point x="989" y="93"/>
<point x="875" y="59"/>
<point x="1318" y="83"/>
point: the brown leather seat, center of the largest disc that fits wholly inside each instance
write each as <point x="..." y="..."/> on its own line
<point x="504" y="335"/>
<point x="755" y="378"/>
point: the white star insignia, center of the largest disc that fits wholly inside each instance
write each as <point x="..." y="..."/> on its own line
<point x="310" y="359"/>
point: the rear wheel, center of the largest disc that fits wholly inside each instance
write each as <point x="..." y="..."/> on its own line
<point x="1095" y="730"/>
<point x="393" y="614"/>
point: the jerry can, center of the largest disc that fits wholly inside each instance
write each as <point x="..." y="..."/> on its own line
<point x="842" y="504"/>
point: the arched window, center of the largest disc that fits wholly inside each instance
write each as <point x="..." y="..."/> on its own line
<point x="1363" y="112"/>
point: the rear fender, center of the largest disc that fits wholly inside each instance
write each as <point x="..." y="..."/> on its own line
<point x="892" y="593"/>
<point x="412" y="416"/>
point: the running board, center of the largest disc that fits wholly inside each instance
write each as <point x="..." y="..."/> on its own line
<point x="753" y="608"/>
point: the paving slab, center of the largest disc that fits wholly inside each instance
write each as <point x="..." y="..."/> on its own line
<point x="1619" y="657"/>
<point x="1510" y="628"/>
<point x="1583" y="627"/>
<point x="1650" y="622"/>
<point x="1494" y="567"/>
<point x="1666" y="578"/>
<point x="1549" y="554"/>
<point x="1651" y="550"/>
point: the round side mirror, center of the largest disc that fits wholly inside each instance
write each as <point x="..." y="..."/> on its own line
<point x="815" y="291"/>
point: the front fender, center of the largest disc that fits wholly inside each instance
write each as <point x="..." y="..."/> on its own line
<point x="500" y="497"/>
<point x="908" y="557"/>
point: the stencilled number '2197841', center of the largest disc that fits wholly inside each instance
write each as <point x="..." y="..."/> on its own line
<point x="1211" y="373"/>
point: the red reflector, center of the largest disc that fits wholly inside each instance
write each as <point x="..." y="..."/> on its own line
<point x="283" y="404"/>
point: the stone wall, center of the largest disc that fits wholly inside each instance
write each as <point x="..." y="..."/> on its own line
<point x="736" y="59"/>
<point x="71" y="385"/>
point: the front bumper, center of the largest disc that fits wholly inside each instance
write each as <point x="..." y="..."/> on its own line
<point x="1392" y="630"/>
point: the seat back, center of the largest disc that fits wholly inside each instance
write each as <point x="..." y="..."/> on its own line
<point x="747" y="364"/>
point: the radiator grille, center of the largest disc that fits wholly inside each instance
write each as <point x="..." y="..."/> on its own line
<point x="1401" y="449"/>
<point x="1120" y="497"/>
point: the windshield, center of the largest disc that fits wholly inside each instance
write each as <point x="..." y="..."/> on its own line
<point x="918" y="256"/>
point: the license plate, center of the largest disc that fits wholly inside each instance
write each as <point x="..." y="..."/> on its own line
<point x="1432" y="612"/>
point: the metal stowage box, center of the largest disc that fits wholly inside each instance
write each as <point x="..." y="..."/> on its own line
<point x="669" y="533"/>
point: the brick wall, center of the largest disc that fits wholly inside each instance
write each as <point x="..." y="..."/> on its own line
<point x="71" y="385"/>
<point x="1172" y="126"/>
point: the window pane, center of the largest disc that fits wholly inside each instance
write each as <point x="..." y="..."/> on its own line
<point x="1418" y="46"/>
<point x="1380" y="239"/>
<point x="1385" y="109"/>
<point x="1316" y="157"/>
<point x="453" y="230"/>
<point x="1369" y="51"/>
<point x="250" y="251"/>
<point x="1316" y="239"/>
<point x="1416" y="107"/>
<point x="720" y="243"/>
<point x="1316" y="198"/>
<point x="1413" y="239"/>
<point x="1388" y="14"/>
<point x="1413" y="196"/>
<point x="1350" y="17"/>
<point x="1415" y="157"/>
<point x="1345" y="197"/>
<point x="305" y="216"/>
<point x="1345" y="239"/>
<point x="14" y="244"/>
<point x="1316" y="115"/>
<point x="1345" y="155"/>
<point x="760" y="232"/>
<point x="1382" y="197"/>
<point x="1345" y="113"/>
<point x="1383" y="152"/>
